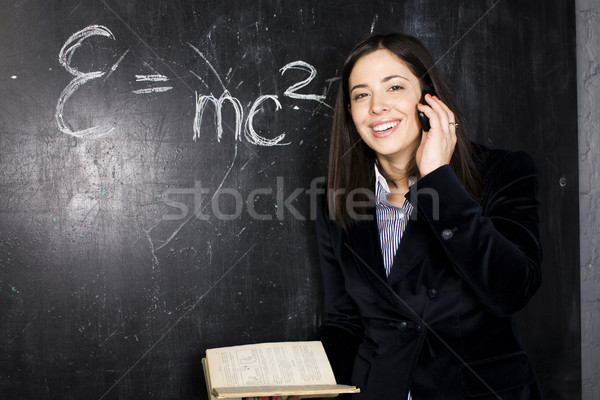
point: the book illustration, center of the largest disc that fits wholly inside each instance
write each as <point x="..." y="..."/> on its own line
<point x="246" y="357"/>
<point x="249" y="370"/>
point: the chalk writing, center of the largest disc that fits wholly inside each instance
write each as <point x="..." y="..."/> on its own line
<point x="153" y="90"/>
<point x="291" y="91"/>
<point x="64" y="57"/>
<point x="249" y="131"/>
<point x="152" y="78"/>
<point x="202" y="101"/>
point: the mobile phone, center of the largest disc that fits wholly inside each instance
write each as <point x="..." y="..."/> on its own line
<point x="422" y="117"/>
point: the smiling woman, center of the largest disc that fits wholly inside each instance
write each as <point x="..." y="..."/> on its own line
<point x="382" y="83"/>
<point x="420" y="285"/>
<point x="383" y="103"/>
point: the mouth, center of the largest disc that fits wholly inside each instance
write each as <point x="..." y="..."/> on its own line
<point x="384" y="129"/>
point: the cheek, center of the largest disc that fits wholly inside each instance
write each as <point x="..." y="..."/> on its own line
<point x="409" y="106"/>
<point x="357" y="116"/>
<point x="354" y="111"/>
<point x="410" y="111"/>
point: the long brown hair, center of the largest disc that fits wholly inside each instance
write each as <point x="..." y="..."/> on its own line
<point x="351" y="161"/>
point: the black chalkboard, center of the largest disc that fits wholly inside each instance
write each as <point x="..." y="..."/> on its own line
<point x="139" y="226"/>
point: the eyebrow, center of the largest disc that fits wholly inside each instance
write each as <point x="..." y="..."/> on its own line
<point x="386" y="79"/>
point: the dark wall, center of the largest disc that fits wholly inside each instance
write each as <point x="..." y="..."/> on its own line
<point x="120" y="259"/>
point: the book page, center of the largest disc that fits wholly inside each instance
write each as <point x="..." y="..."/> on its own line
<point x="270" y="364"/>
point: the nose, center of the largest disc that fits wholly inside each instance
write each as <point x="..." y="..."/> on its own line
<point x="379" y="104"/>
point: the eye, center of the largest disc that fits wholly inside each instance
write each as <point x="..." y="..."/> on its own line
<point x="359" y="96"/>
<point x="395" y="88"/>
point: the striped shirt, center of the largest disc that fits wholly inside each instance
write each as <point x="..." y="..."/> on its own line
<point x="391" y="220"/>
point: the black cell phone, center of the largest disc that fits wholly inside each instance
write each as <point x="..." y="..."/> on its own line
<point x="422" y="117"/>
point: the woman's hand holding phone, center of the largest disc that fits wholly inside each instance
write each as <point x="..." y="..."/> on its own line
<point x="437" y="144"/>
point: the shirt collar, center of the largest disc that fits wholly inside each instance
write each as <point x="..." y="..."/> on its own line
<point x="382" y="189"/>
<point x="380" y="181"/>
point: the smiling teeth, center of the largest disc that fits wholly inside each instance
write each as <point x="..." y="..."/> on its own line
<point x="385" y="127"/>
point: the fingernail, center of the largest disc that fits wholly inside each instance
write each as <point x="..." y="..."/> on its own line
<point x="435" y="97"/>
<point x="420" y="104"/>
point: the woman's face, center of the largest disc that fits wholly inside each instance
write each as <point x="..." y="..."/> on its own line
<point x="384" y="94"/>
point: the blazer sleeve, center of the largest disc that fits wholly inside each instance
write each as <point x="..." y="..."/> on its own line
<point x="341" y="331"/>
<point x="493" y="244"/>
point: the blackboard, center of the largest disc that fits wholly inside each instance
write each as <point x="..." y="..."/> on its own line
<point x="139" y="226"/>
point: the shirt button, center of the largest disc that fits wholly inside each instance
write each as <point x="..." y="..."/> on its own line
<point x="447" y="234"/>
<point x="402" y="325"/>
<point x="433" y="293"/>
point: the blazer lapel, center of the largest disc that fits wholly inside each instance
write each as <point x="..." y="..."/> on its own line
<point x="363" y="242"/>
<point x="413" y="247"/>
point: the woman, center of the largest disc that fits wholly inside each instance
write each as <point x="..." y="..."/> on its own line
<point x="428" y="243"/>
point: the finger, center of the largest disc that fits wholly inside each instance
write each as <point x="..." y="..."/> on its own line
<point x="441" y="107"/>
<point x="436" y="122"/>
<point x="441" y="112"/>
<point x="452" y="124"/>
<point x="447" y="119"/>
<point x="444" y="106"/>
<point x="433" y="118"/>
<point x="434" y="112"/>
<point x="440" y="118"/>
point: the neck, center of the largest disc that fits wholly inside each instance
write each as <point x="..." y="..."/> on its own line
<point x="397" y="175"/>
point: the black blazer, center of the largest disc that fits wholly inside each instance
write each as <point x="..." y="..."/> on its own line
<point x="440" y="325"/>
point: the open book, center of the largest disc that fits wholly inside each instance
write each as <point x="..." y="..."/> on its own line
<point x="271" y="369"/>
